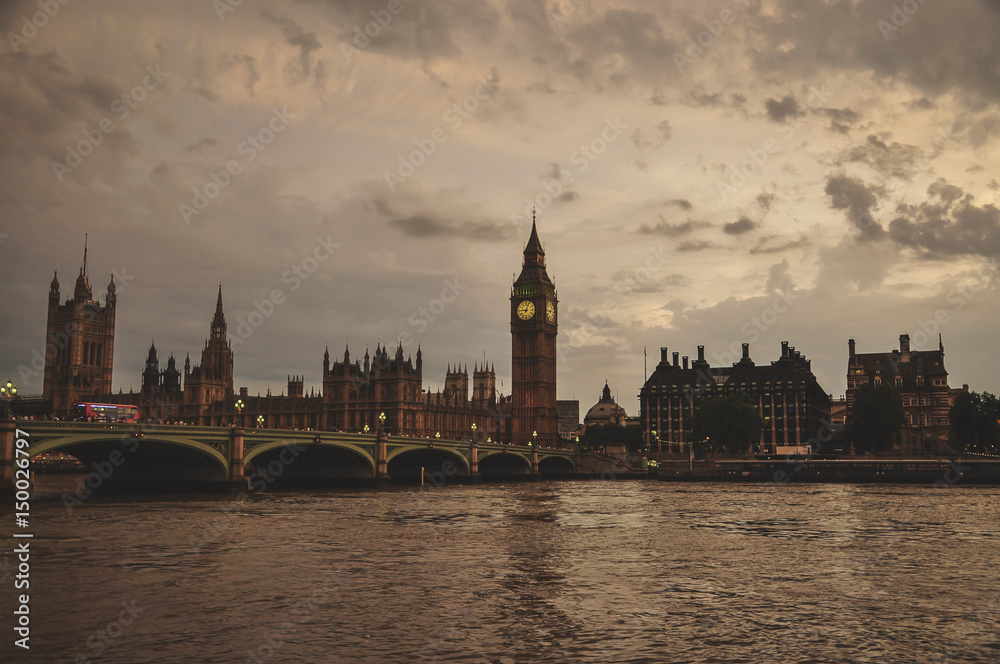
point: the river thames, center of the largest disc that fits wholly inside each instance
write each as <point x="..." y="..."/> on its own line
<point x="569" y="571"/>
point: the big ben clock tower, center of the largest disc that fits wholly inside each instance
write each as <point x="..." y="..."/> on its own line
<point x="533" y="328"/>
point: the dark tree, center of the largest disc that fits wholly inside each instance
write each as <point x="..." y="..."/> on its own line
<point x="975" y="423"/>
<point x="876" y="420"/>
<point x="612" y="434"/>
<point x="732" y="424"/>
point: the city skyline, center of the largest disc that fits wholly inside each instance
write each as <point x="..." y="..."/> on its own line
<point x="710" y="174"/>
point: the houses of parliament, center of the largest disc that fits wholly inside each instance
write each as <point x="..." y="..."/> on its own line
<point x="356" y="392"/>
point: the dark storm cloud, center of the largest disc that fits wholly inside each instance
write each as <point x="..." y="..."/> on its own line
<point x="764" y="200"/>
<point x="940" y="47"/>
<point x="776" y="244"/>
<point x="742" y="225"/>
<point x="664" y="227"/>
<point x="45" y="102"/>
<point x="779" y="111"/>
<point x="842" y="120"/>
<point x="858" y="199"/>
<point x="636" y="36"/>
<point x="890" y="159"/>
<point x="949" y="224"/>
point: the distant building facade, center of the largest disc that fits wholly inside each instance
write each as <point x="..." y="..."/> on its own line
<point x="569" y="418"/>
<point x="922" y="381"/>
<point x="793" y="406"/>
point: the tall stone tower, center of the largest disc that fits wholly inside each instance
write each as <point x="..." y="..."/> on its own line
<point x="212" y="380"/>
<point x="79" y="344"/>
<point x="533" y="328"/>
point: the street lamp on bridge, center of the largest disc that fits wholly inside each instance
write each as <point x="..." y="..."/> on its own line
<point x="474" y="427"/>
<point x="260" y="421"/>
<point x="239" y="410"/>
<point x="9" y="391"/>
<point x="381" y="422"/>
<point x="534" y="435"/>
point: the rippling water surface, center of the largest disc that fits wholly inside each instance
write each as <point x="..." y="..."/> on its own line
<point x="590" y="571"/>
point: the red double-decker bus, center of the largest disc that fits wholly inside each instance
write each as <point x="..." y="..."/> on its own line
<point x="105" y="412"/>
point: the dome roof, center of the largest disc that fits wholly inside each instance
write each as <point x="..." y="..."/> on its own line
<point x="605" y="411"/>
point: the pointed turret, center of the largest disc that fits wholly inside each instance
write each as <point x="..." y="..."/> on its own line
<point x="218" y="329"/>
<point x="54" y="289"/>
<point x="534" y="254"/>
<point x="112" y="290"/>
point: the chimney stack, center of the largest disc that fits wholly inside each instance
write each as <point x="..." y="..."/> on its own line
<point x="701" y="353"/>
<point x="746" y="351"/>
<point x="663" y="353"/>
<point x="850" y="347"/>
<point x="685" y="359"/>
<point x="784" y="349"/>
<point x="904" y="348"/>
<point x="676" y="360"/>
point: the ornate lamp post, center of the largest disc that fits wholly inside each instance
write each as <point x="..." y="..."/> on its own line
<point x="9" y="391"/>
<point x="438" y="435"/>
<point x="534" y="435"/>
<point x="239" y="410"/>
<point x="474" y="427"/>
<point x="381" y="422"/>
<point x="260" y="421"/>
<point x="366" y="428"/>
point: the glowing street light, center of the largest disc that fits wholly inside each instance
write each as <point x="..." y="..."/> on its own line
<point x="260" y="421"/>
<point x="474" y="427"/>
<point x="366" y="428"/>
<point x="381" y="421"/>
<point x="9" y="391"/>
<point x="534" y="435"/>
<point x="239" y="410"/>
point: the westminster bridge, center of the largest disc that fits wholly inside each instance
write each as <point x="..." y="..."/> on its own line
<point x="179" y="453"/>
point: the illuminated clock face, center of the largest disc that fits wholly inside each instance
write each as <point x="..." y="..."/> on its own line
<point x="550" y="311"/>
<point x="525" y="310"/>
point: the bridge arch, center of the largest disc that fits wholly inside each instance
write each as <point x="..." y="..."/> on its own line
<point x="125" y="457"/>
<point x="304" y="459"/>
<point x="504" y="463"/>
<point x="440" y="464"/>
<point x="556" y="466"/>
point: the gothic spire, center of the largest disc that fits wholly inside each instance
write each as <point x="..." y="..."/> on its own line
<point x="219" y="319"/>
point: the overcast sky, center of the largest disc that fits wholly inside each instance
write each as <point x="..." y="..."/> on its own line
<point x="704" y="173"/>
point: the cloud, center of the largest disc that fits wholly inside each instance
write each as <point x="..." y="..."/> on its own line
<point x="664" y="227"/>
<point x="858" y="199"/>
<point x="950" y="224"/>
<point x="779" y="111"/>
<point x="842" y="120"/>
<point x="297" y="36"/>
<point x="890" y="159"/>
<point x="764" y="200"/>
<point x="743" y="225"/>
<point x="682" y="203"/>
<point x="776" y="244"/>
<point x="696" y="245"/>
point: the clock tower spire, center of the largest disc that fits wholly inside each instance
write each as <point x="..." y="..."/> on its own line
<point x="533" y="329"/>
